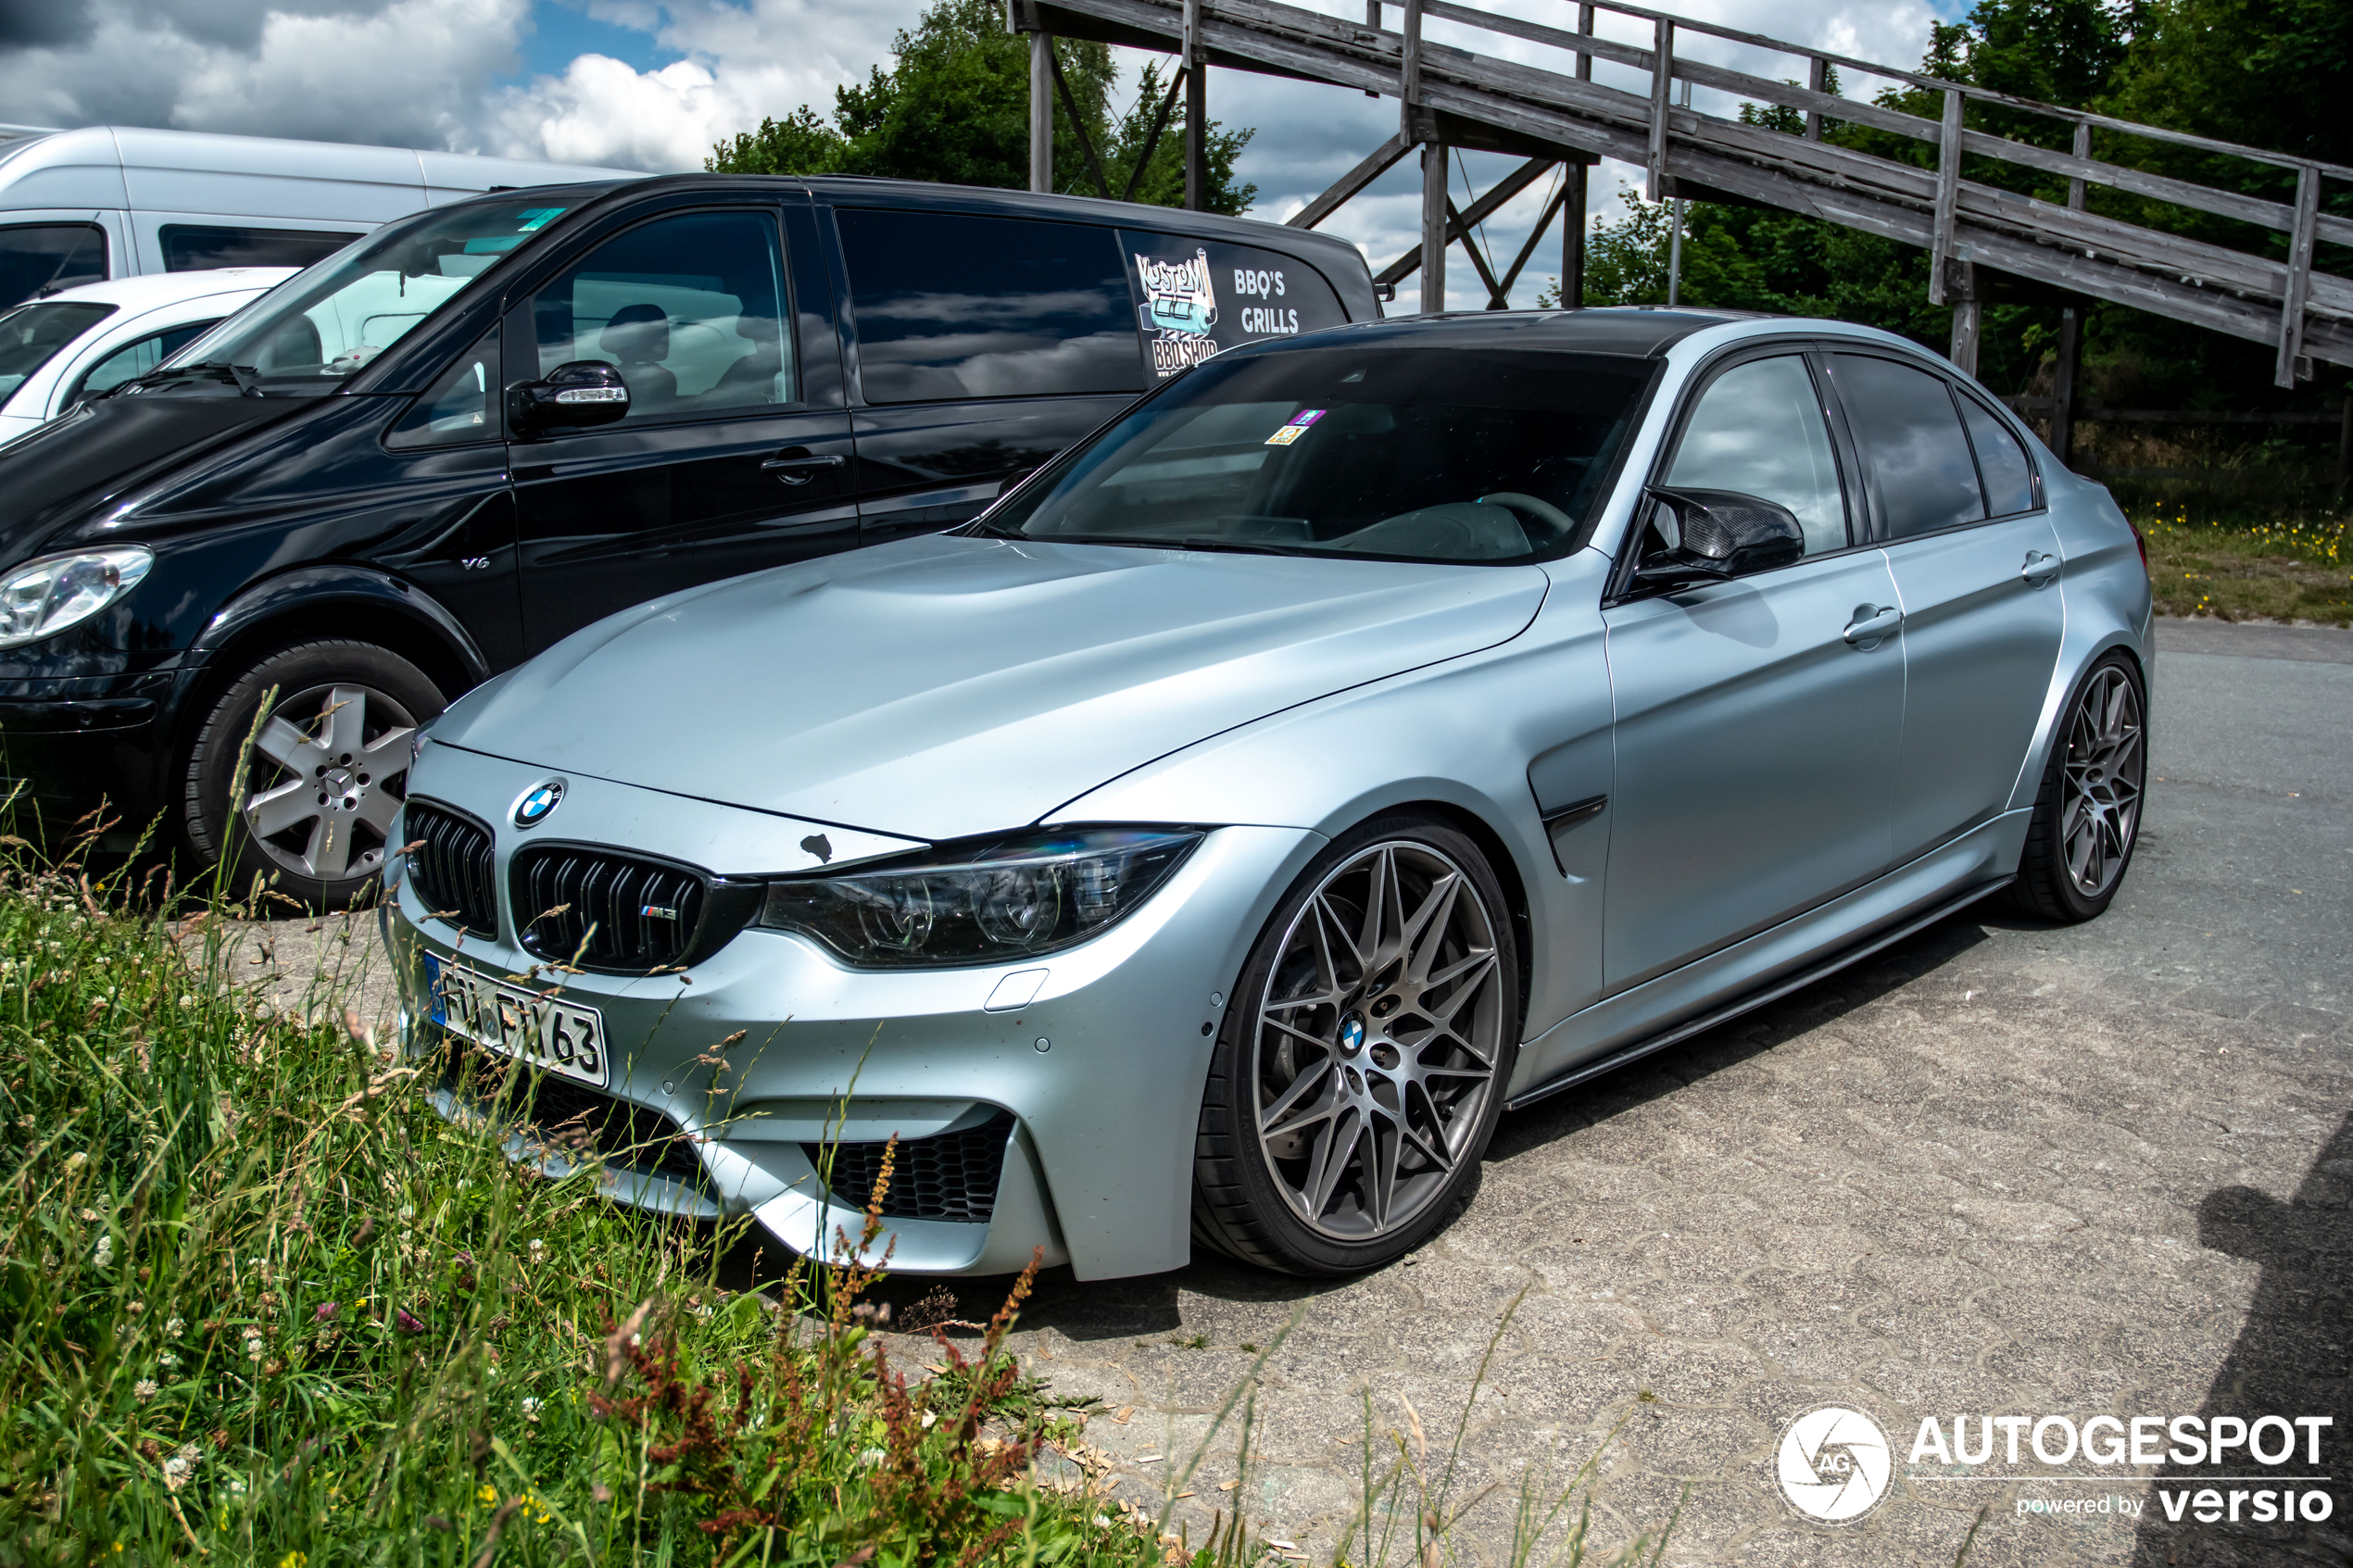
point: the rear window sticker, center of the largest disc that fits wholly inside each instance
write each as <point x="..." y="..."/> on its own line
<point x="1180" y="306"/>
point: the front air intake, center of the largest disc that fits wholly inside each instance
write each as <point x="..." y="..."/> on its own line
<point x="605" y="911"/>
<point x="449" y="867"/>
<point x="946" y="1176"/>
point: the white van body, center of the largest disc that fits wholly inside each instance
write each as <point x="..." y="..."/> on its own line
<point x="173" y="201"/>
<point x="145" y="320"/>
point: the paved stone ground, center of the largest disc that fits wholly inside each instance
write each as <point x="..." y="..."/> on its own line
<point x="2003" y="1169"/>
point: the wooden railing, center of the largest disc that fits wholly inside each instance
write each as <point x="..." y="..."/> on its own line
<point x="1980" y="236"/>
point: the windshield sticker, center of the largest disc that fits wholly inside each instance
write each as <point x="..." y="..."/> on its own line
<point x="1179" y="309"/>
<point x="1296" y="428"/>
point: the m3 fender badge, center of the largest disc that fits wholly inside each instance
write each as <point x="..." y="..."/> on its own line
<point x="538" y="802"/>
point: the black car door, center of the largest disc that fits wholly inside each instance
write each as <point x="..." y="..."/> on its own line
<point x="734" y="452"/>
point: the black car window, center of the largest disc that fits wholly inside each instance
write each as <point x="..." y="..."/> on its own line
<point x="43" y="257"/>
<point x="952" y="305"/>
<point x="461" y="406"/>
<point x="31" y="335"/>
<point x="132" y="359"/>
<point x="1919" y="458"/>
<point x="1198" y="298"/>
<point x="1759" y="430"/>
<point x="691" y="308"/>
<point x="2001" y="462"/>
<point x="192" y="247"/>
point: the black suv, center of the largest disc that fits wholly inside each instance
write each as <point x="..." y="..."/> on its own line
<point x="481" y="427"/>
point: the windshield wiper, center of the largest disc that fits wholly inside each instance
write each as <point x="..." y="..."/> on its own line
<point x="1202" y="542"/>
<point x="245" y="378"/>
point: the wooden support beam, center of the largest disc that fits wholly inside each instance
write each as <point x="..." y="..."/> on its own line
<point x="1436" y="233"/>
<point x="1383" y="158"/>
<point x="1948" y="193"/>
<point x="1573" y="238"/>
<point x="2070" y="356"/>
<point x="1499" y="297"/>
<point x="1495" y="286"/>
<point x="1078" y="121"/>
<point x="2293" y="367"/>
<point x="1041" y="112"/>
<point x="1151" y="139"/>
<point x="1409" y="76"/>
<point x="1816" y="67"/>
<point x="1657" y="184"/>
<point x="1478" y="212"/>
<point x="1968" y="317"/>
<point x="2083" y="151"/>
<point x="1196" y="111"/>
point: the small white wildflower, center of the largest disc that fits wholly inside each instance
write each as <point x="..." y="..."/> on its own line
<point x="407" y="1213"/>
<point x="931" y="1418"/>
<point x="176" y="1468"/>
<point x="236" y="1485"/>
<point x="537" y="1249"/>
<point x="530" y="1407"/>
<point x="186" y="1000"/>
<point x="167" y="1360"/>
<point x="145" y="1390"/>
<point x="870" y="1456"/>
<point x="174" y="1326"/>
<point x="102" y="1254"/>
<point x="89" y="1216"/>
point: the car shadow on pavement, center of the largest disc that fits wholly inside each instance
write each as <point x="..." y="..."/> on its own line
<point x="1152" y="1305"/>
<point x="2291" y="1360"/>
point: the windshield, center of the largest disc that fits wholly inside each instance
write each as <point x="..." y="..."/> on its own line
<point x="1420" y="454"/>
<point x="31" y="335"/>
<point x="335" y="317"/>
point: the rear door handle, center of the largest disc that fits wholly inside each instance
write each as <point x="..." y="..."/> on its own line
<point x="799" y="468"/>
<point x="2040" y="568"/>
<point x="1871" y="623"/>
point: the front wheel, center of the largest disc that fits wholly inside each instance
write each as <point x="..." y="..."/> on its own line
<point x="2087" y="817"/>
<point x="310" y="812"/>
<point x="1362" y="1068"/>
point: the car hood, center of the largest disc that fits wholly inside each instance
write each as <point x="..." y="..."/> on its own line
<point x="958" y="685"/>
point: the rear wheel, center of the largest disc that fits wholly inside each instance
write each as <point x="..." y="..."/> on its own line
<point x="2087" y="817"/>
<point x="325" y="774"/>
<point x="1362" y="1068"/>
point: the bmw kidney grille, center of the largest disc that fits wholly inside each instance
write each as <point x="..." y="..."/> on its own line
<point x="450" y="867"/>
<point x="602" y="909"/>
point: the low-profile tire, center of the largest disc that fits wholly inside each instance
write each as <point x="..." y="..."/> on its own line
<point x="325" y="773"/>
<point x="2087" y="815"/>
<point x="1361" y="1066"/>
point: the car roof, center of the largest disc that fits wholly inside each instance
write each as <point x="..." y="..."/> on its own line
<point x="150" y="289"/>
<point x="1642" y="331"/>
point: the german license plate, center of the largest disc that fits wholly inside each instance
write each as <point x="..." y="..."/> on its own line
<point x="546" y="1032"/>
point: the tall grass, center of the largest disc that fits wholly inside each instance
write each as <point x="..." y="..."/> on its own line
<point x="260" y="1304"/>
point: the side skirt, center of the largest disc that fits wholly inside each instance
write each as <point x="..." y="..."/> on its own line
<point x="1754" y="1000"/>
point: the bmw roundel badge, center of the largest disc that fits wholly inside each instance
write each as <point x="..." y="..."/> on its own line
<point x="534" y="808"/>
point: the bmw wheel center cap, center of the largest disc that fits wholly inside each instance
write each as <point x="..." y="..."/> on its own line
<point x="534" y="808"/>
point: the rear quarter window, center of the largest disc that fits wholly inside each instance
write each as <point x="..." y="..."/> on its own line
<point x="955" y="306"/>
<point x="1198" y="298"/>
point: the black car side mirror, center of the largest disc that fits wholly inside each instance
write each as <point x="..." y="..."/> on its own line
<point x="1719" y="534"/>
<point x="583" y="392"/>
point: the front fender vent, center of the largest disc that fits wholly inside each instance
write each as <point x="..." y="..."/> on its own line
<point x="449" y="867"/>
<point x="946" y="1176"/>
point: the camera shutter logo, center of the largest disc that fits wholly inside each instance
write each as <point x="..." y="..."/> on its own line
<point x="534" y="808"/>
<point x="1833" y="1465"/>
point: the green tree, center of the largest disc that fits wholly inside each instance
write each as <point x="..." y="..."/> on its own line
<point x="954" y="108"/>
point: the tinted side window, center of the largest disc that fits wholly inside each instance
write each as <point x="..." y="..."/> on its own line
<point x="1919" y="458"/>
<point x="1200" y="296"/>
<point x="2001" y="462"/>
<point x="34" y="256"/>
<point x="458" y="408"/>
<point x="133" y="360"/>
<point x="191" y="247"/>
<point x="690" y="309"/>
<point x="950" y="306"/>
<point x="1759" y="430"/>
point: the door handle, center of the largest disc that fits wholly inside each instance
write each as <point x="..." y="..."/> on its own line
<point x="1871" y="623"/>
<point x="2040" y="568"/>
<point x="799" y="468"/>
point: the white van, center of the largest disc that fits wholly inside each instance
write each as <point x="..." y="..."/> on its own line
<point x="113" y="201"/>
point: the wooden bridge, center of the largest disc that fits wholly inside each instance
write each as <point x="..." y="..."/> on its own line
<point x="1985" y="242"/>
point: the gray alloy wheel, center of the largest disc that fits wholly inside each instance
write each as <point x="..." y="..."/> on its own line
<point x="326" y="766"/>
<point x="2105" y="765"/>
<point x="2087" y="816"/>
<point x="1380" y="1034"/>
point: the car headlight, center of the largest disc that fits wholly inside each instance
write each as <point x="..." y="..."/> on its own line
<point x="990" y="902"/>
<point x="42" y="597"/>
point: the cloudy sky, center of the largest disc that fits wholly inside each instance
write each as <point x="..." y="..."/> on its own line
<point x="650" y="84"/>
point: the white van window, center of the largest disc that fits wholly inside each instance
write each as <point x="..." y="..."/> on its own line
<point x="330" y="320"/>
<point x="31" y="335"/>
<point x="192" y="247"/>
<point x="43" y="257"/>
<point x="690" y="309"/>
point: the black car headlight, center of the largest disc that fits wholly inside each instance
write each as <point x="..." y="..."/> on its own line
<point x="986" y="901"/>
<point x="42" y="597"/>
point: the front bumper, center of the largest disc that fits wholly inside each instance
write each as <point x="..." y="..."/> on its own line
<point x="66" y="756"/>
<point x="1102" y="1069"/>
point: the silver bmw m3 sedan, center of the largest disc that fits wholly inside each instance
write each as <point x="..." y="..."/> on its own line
<point x="1360" y="737"/>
